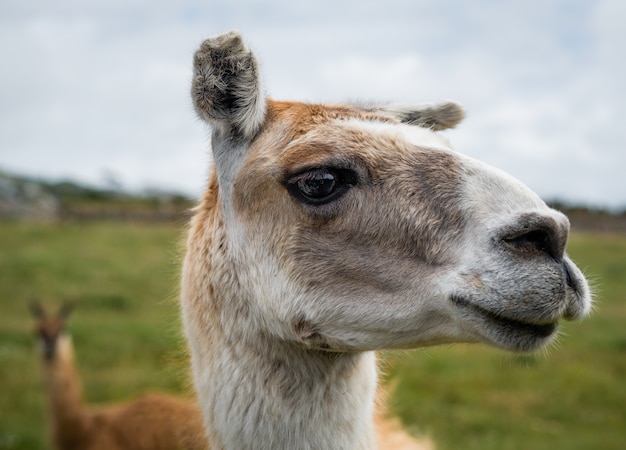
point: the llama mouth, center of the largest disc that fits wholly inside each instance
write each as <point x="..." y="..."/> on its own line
<point x="500" y="325"/>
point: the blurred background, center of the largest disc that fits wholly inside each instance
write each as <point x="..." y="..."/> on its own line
<point x="101" y="156"/>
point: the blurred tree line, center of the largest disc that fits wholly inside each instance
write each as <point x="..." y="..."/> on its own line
<point x="27" y="198"/>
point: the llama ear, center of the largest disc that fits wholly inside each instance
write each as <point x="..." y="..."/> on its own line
<point x="437" y="116"/>
<point x="226" y="88"/>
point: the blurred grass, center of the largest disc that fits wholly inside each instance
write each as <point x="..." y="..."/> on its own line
<point x="124" y="278"/>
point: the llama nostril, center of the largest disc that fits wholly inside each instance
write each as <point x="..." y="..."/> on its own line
<point x="532" y="241"/>
<point x="536" y="235"/>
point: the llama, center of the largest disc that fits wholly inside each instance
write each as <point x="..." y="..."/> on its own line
<point x="328" y="232"/>
<point x="153" y="422"/>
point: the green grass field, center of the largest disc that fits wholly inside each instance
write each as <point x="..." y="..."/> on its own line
<point x="124" y="277"/>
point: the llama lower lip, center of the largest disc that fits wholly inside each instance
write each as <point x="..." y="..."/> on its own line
<point x="512" y="326"/>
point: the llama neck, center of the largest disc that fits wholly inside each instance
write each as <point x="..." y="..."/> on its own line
<point x="256" y="390"/>
<point x="64" y="392"/>
<point x="274" y="395"/>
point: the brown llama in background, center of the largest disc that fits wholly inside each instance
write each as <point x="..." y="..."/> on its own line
<point x="152" y="422"/>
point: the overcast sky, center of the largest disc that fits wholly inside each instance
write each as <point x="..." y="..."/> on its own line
<point x="98" y="90"/>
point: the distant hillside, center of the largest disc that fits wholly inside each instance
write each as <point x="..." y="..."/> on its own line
<point x="28" y="198"/>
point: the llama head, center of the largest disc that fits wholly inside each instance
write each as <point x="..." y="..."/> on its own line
<point x="358" y="227"/>
<point x="49" y="328"/>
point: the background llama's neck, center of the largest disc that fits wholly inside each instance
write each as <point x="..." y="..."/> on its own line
<point x="276" y="395"/>
<point x="64" y="392"/>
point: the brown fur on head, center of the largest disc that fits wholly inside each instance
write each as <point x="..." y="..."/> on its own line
<point x="49" y="327"/>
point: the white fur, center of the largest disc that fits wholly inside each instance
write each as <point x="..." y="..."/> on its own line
<point x="418" y="136"/>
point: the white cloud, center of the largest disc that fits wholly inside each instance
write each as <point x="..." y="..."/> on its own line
<point x="388" y="79"/>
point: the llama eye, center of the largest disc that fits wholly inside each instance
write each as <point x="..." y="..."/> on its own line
<point x="317" y="184"/>
<point x="320" y="185"/>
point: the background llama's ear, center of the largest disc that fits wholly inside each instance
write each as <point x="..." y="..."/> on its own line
<point x="226" y="89"/>
<point x="436" y="116"/>
<point x="65" y="310"/>
<point x="36" y="309"/>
